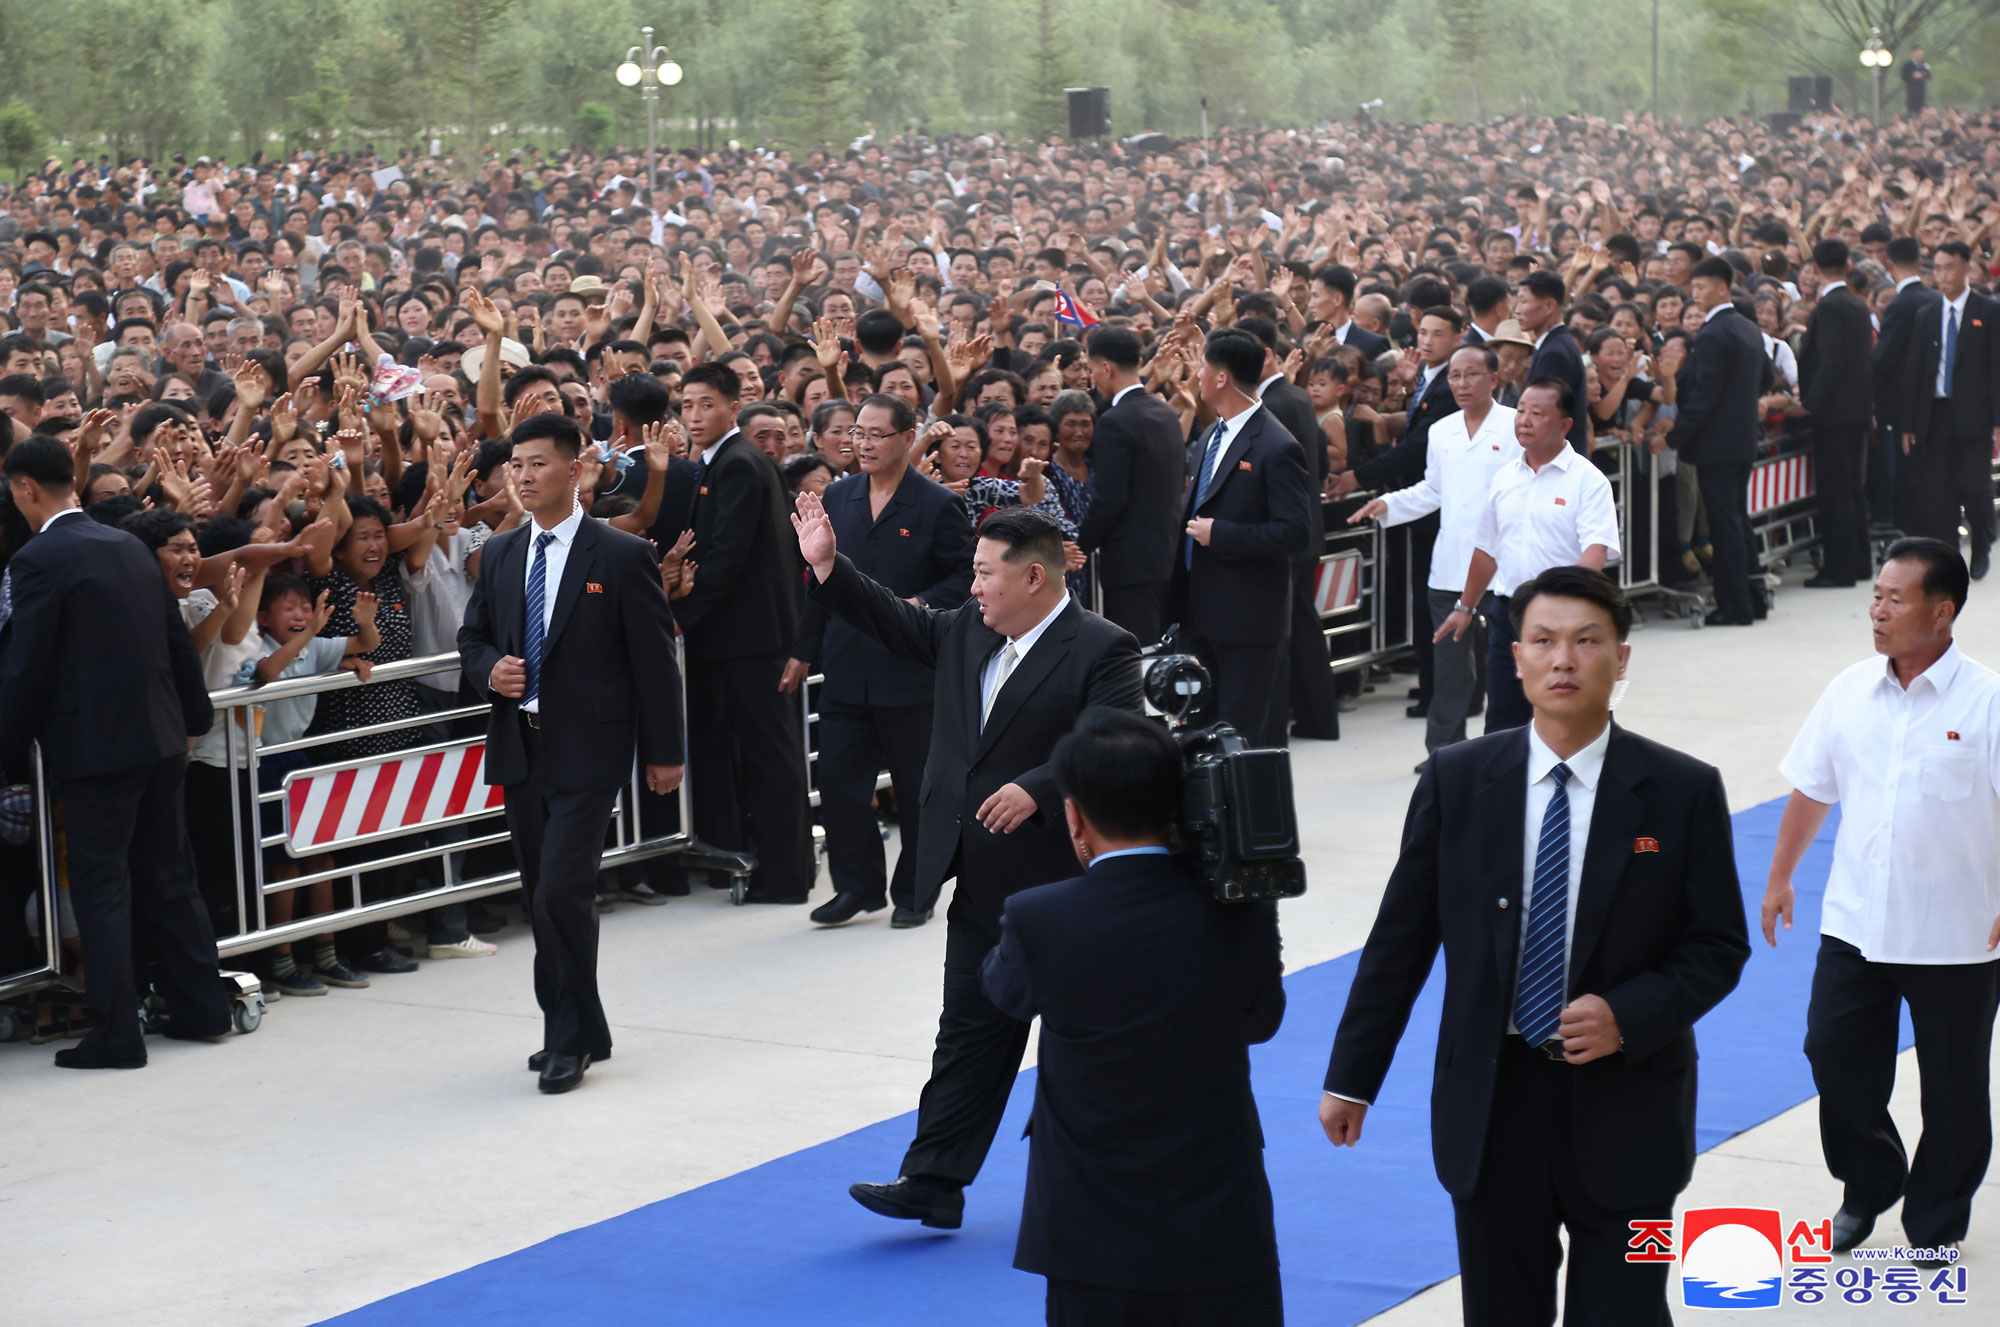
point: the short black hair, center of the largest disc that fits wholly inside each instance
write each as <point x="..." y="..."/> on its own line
<point x="1122" y="770"/>
<point x="45" y="460"/>
<point x="1715" y="267"/>
<point x="156" y="525"/>
<point x="1239" y="352"/>
<point x="716" y="375"/>
<point x="1565" y="394"/>
<point x="1831" y="255"/>
<point x="1573" y="582"/>
<point x="878" y="332"/>
<point x="1115" y="345"/>
<point x="281" y="584"/>
<point x="1031" y="535"/>
<point x="1904" y="251"/>
<point x="1445" y="312"/>
<point x="1544" y="284"/>
<point x="797" y="469"/>
<point x="1337" y="278"/>
<point x="1945" y="572"/>
<point x="559" y="429"/>
<point x="902" y="415"/>
<point x="639" y="397"/>
<point x="1958" y="249"/>
<point x="1485" y="294"/>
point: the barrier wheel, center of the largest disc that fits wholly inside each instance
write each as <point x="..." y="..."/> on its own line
<point x="739" y="889"/>
<point x="249" y="1014"/>
<point x="10" y="1025"/>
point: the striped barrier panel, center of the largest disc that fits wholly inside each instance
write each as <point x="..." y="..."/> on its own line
<point x="327" y="809"/>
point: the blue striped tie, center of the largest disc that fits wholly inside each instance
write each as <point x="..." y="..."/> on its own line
<point x="1538" y="999"/>
<point x="1201" y="484"/>
<point x="538" y="596"/>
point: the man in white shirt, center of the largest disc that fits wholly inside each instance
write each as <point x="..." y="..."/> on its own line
<point x="1548" y="507"/>
<point x="1911" y="751"/>
<point x="1463" y="454"/>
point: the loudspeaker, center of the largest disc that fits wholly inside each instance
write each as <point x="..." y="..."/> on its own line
<point x="1089" y="112"/>
<point x="1809" y="92"/>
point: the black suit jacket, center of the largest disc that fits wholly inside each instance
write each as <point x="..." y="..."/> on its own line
<point x="1140" y="460"/>
<point x="609" y="683"/>
<point x="1080" y="661"/>
<point x="676" y="504"/>
<point x="1906" y="359"/>
<point x="1294" y="409"/>
<point x="1975" y="382"/>
<point x="921" y="545"/>
<point x="1146" y="1170"/>
<point x="1718" y="422"/>
<point x="1370" y="344"/>
<point x="96" y="663"/>
<point x="1403" y="464"/>
<point x="1659" y="935"/>
<point x="745" y="599"/>
<point x="1239" y="590"/>
<point x="1559" y="357"/>
<point x="1834" y="373"/>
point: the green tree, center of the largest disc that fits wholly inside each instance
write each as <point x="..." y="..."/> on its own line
<point x="320" y="113"/>
<point x="21" y="138"/>
<point x="1051" y="68"/>
<point x="469" y="56"/>
<point x="817" y="55"/>
<point x="1466" y="35"/>
<point x="594" y="121"/>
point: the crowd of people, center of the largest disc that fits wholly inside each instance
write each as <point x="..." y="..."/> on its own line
<point x="296" y="380"/>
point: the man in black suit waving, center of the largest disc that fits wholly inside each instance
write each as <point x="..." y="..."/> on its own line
<point x="1141" y="462"/>
<point x="908" y="533"/>
<point x="1246" y="518"/>
<point x="1908" y="365"/>
<point x="1717" y="431"/>
<point x="97" y="665"/>
<point x="1146" y="1192"/>
<point x="1538" y="307"/>
<point x="1582" y="884"/>
<point x="1968" y="392"/>
<point x="569" y="632"/>
<point x="1834" y="388"/>
<point x="1014" y="669"/>
<point x="740" y="620"/>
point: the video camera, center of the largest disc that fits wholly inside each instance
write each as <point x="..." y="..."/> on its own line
<point x="1238" y="827"/>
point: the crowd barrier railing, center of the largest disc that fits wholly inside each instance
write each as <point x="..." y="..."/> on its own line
<point x="46" y="966"/>
<point x="1781" y="503"/>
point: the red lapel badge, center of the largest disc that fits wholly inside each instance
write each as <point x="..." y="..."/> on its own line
<point x="592" y="587"/>
<point x="1243" y="465"/>
<point x="1645" y="845"/>
<point x="901" y="531"/>
<point x="704" y="490"/>
<point x="1562" y="502"/>
<point x="1950" y="736"/>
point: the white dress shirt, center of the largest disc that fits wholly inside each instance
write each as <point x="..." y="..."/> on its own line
<point x="1213" y="458"/>
<point x="1586" y="768"/>
<point x="1123" y="392"/>
<point x="708" y="452"/>
<point x="1945" y="314"/>
<point x="556" y="557"/>
<point x="1916" y="861"/>
<point x="1458" y="474"/>
<point x="989" y="672"/>
<point x="1537" y="519"/>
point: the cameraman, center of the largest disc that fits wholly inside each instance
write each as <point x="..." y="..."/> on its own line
<point x="1146" y="1195"/>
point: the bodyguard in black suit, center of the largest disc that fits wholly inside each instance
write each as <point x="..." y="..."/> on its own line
<point x="1564" y="1092"/>
<point x="1835" y="389"/>
<point x="1146" y="1194"/>
<point x="1538" y="307"/>
<point x="1969" y="329"/>
<point x="1331" y="304"/>
<point x="1014" y="669"/>
<point x="568" y="630"/>
<point x="1246" y="517"/>
<point x="909" y="534"/>
<point x="97" y="665"/>
<point x="1906" y="398"/>
<point x="740" y="620"/>
<point x="1139" y="455"/>
<point x="1717" y="431"/>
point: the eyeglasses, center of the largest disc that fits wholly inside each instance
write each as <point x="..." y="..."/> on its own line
<point x="869" y="435"/>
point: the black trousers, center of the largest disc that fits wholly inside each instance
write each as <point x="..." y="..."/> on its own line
<point x="748" y="764"/>
<point x="976" y="1058"/>
<point x="558" y="840"/>
<point x="1725" y="496"/>
<point x="1972" y="477"/>
<point x="1927" y="490"/>
<point x="1309" y="696"/>
<point x="1509" y="1249"/>
<point x="132" y="886"/>
<point x="1851" y="1026"/>
<point x="219" y="844"/>
<point x="1140" y="609"/>
<point x="1506" y="704"/>
<point x="1076" y="1304"/>
<point x="1249" y="692"/>
<point x="1840" y="473"/>
<point x="855" y="743"/>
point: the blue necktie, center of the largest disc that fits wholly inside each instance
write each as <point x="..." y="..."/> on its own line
<point x="538" y="596"/>
<point x="1950" y="348"/>
<point x="1201" y="484"/>
<point x="1538" y="999"/>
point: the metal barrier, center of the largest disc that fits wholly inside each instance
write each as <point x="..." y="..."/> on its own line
<point x="1351" y="590"/>
<point x="49" y="969"/>
<point x="1781" y="499"/>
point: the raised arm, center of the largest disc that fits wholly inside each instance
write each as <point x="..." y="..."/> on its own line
<point x="897" y="625"/>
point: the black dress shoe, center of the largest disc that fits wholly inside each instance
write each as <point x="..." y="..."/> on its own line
<point x="173" y="1033"/>
<point x="388" y="959"/>
<point x="1850" y="1228"/>
<point x="903" y="919"/>
<point x="1826" y="582"/>
<point x="1420" y="710"/>
<point x="1933" y="1264"/>
<point x="937" y="1203"/>
<point x="1982" y="562"/>
<point x="541" y="1058"/>
<point x="844" y="907"/>
<point x="89" y="1057"/>
<point x="560" y="1073"/>
<point x="1720" y="619"/>
<point x="754" y="895"/>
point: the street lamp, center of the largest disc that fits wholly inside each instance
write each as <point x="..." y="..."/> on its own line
<point x="1877" y="58"/>
<point x="648" y="68"/>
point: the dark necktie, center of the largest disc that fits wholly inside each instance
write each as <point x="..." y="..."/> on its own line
<point x="1950" y="347"/>
<point x="1201" y="483"/>
<point x="538" y="596"/>
<point x="1538" y="999"/>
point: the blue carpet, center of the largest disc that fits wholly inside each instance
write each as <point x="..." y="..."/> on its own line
<point x="1360" y="1230"/>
